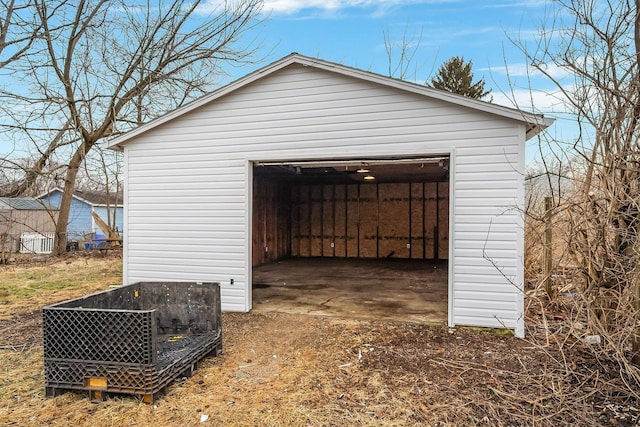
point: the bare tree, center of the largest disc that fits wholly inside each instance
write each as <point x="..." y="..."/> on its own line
<point x="401" y="54"/>
<point x="598" y="45"/>
<point x="26" y="172"/>
<point x="101" y="67"/>
<point x="102" y="172"/>
<point x="18" y="29"/>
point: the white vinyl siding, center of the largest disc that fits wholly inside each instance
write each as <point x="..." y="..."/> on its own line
<point x="487" y="251"/>
<point x="188" y="191"/>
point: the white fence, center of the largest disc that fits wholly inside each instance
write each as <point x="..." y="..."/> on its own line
<point x="36" y="243"/>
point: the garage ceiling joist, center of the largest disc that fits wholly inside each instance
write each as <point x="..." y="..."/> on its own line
<point x="356" y="162"/>
<point x="420" y="169"/>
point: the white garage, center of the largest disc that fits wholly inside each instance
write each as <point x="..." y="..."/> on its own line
<point x="307" y="158"/>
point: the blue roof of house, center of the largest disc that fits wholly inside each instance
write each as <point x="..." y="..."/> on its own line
<point x="22" y="203"/>
<point x="94" y="198"/>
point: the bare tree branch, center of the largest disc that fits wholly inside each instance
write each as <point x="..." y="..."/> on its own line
<point x="17" y="30"/>
<point x="597" y="46"/>
<point x="99" y="67"/>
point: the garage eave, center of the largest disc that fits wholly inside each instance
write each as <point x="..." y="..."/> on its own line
<point x="535" y="122"/>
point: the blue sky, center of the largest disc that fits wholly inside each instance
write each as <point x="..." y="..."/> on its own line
<point x="352" y="32"/>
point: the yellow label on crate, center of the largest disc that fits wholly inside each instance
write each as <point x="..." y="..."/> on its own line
<point x="96" y="382"/>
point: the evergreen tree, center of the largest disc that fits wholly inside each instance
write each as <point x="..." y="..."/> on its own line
<point x="455" y="76"/>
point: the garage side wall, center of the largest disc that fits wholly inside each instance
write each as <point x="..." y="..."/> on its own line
<point x="271" y="222"/>
<point x="487" y="243"/>
<point x="188" y="215"/>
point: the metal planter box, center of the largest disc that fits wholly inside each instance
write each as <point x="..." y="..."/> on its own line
<point x="134" y="339"/>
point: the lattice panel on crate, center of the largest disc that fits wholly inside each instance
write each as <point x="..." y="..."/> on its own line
<point x="119" y="377"/>
<point x="100" y="335"/>
<point x="137" y="379"/>
<point x="69" y="374"/>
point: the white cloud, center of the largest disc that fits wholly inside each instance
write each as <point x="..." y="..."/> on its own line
<point x="294" y="6"/>
<point x="514" y="4"/>
<point x="474" y="32"/>
<point x="526" y="70"/>
<point x="538" y="101"/>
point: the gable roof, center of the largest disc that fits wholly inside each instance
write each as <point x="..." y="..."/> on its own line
<point x="93" y="198"/>
<point x="535" y="122"/>
<point x="22" y="204"/>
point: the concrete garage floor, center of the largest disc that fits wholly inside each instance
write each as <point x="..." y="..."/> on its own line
<point x="382" y="289"/>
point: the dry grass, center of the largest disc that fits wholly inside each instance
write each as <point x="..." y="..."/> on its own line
<point x="26" y="289"/>
<point x="298" y="370"/>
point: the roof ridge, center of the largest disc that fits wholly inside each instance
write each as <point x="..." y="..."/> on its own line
<point x="536" y="122"/>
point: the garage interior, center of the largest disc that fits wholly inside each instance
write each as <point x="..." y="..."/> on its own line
<point x="359" y="238"/>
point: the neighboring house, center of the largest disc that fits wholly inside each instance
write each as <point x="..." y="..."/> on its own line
<point x="81" y="223"/>
<point x="24" y="217"/>
<point x="245" y="174"/>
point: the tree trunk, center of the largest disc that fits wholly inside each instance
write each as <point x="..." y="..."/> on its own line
<point x="60" y="243"/>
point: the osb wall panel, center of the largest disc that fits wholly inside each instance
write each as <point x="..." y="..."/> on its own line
<point x="353" y="220"/>
<point x="328" y="221"/>
<point x="430" y="220"/>
<point x="417" y="221"/>
<point x="443" y="220"/>
<point x="340" y="218"/>
<point x="316" y="220"/>
<point x="398" y="220"/>
<point x="271" y="222"/>
<point x="368" y="221"/>
<point x="394" y="220"/>
<point x="295" y="221"/>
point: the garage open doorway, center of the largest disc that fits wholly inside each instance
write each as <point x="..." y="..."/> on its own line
<point x="358" y="238"/>
<point x="393" y="289"/>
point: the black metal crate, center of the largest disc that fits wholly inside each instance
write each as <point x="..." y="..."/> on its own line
<point x="133" y="339"/>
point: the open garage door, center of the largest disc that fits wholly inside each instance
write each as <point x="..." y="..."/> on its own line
<point x="379" y="226"/>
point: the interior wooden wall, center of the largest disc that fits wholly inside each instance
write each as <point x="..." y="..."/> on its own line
<point x="370" y="220"/>
<point x="271" y="221"/>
